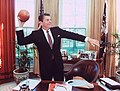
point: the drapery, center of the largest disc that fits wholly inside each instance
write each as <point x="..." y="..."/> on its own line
<point x="94" y="27"/>
<point x="37" y="13"/>
<point x="52" y="7"/>
<point x="95" y="15"/>
<point x="7" y="18"/>
<point x="36" y="57"/>
<point x="1" y="42"/>
<point x="112" y="28"/>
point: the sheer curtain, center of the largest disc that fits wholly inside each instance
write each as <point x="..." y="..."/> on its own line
<point x="7" y="18"/>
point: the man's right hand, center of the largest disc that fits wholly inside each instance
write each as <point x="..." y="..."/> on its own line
<point x="20" y="23"/>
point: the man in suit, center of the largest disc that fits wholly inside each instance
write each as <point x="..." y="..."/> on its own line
<point x="50" y="59"/>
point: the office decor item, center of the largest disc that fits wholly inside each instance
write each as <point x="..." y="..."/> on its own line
<point x="23" y="15"/>
<point x="23" y="64"/>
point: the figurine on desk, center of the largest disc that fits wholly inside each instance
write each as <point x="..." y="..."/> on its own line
<point x="64" y="54"/>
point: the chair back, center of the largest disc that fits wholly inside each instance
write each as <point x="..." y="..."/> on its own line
<point x="88" y="69"/>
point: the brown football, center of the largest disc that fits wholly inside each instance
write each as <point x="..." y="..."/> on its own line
<point x="23" y="15"/>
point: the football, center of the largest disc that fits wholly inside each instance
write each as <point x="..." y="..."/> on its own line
<point x="23" y="15"/>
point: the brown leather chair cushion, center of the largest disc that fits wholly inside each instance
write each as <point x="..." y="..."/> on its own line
<point x="87" y="69"/>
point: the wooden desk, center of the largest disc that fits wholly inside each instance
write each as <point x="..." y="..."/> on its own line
<point x="43" y="86"/>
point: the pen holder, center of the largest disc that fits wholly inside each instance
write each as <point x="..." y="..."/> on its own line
<point x="25" y="86"/>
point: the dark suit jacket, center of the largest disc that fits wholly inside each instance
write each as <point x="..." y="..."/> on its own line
<point x="45" y="52"/>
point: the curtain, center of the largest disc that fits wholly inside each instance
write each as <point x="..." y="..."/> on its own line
<point x="52" y="7"/>
<point x="36" y="57"/>
<point x="37" y="13"/>
<point x="7" y="18"/>
<point x="95" y="14"/>
<point x="112" y="27"/>
<point x="1" y="42"/>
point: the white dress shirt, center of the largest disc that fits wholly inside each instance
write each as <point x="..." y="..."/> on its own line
<point x="45" y="33"/>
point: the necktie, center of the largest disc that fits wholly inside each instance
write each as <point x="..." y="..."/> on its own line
<point x="49" y="39"/>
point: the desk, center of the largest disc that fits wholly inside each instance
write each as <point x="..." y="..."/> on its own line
<point x="43" y="86"/>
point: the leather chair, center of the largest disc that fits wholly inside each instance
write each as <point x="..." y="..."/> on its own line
<point x="88" y="69"/>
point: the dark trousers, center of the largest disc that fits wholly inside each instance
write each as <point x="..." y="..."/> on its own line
<point x="56" y="72"/>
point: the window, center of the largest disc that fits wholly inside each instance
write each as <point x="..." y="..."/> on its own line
<point x="72" y="17"/>
<point x="29" y="25"/>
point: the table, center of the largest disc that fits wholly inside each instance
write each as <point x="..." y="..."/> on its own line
<point x="43" y="86"/>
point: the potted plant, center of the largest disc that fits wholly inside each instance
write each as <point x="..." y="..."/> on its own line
<point x="23" y="64"/>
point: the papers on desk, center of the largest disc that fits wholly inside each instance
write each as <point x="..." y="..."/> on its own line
<point x="31" y="82"/>
<point x="109" y="84"/>
<point x="80" y="83"/>
<point x="77" y="81"/>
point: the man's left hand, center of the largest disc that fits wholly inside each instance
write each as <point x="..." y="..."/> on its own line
<point x="94" y="42"/>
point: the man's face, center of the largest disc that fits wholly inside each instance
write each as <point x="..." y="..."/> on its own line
<point x="46" y="24"/>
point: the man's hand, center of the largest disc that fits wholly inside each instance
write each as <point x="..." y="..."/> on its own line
<point x="20" y="26"/>
<point x="93" y="42"/>
<point x="20" y="23"/>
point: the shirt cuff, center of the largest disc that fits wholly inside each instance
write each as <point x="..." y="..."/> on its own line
<point x="19" y="28"/>
<point x="86" y="39"/>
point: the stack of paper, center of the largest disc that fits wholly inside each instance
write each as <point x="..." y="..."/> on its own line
<point x="32" y="84"/>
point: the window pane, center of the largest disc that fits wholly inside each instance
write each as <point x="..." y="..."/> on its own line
<point x="74" y="46"/>
<point x="27" y="5"/>
<point x="73" y="18"/>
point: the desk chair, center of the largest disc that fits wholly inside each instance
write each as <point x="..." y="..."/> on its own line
<point x="88" y="69"/>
